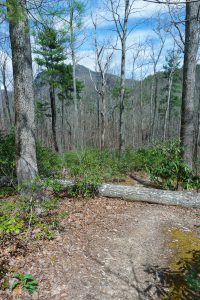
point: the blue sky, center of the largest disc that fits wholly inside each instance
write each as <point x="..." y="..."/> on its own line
<point x="144" y="20"/>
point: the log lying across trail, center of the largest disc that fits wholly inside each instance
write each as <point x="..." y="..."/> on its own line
<point x="137" y="193"/>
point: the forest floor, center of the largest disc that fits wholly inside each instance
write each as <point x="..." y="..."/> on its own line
<point x="108" y="249"/>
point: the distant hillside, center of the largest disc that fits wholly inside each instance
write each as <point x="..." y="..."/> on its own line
<point x="84" y="74"/>
<point x="139" y="107"/>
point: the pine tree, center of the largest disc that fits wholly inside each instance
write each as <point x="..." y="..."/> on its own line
<point x="51" y="56"/>
<point x="66" y="86"/>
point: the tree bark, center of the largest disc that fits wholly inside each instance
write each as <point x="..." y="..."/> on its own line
<point x="189" y="68"/>
<point x="23" y="92"/>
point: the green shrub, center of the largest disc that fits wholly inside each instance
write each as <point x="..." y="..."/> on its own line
<point x="84" y="189"/>
<point x="19" y="217"/>
<point x="6" y="191"/>
<point x="161" y="161"/>
<point x="11" y="224"/>
<point x="94" y="166"/>
<point x="165" y="165"/>
<point x="7" y="154"/>
<point x="27" y="281"/>
<point x="47" y="160"/>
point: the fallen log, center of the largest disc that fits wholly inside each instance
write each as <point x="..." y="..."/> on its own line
<point x="134" y="193"/>
<point x="146" y="183"/>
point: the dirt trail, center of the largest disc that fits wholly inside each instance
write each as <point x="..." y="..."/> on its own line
<point x="104" y="250"/>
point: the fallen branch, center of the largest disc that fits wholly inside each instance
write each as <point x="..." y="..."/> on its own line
<point x="146" y="182"/>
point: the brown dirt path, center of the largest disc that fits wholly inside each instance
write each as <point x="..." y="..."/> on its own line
<point x="104" y="249"/>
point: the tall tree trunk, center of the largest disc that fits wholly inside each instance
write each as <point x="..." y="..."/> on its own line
<point x="122" y="97"/>
<point x="7" y="100"/>
<point x="98" y="120"/>
<point x="103" y="116"/>
<point x="151" y="108"/>
<point x="76" y="119"/>
<point x="141" y="114"/>
<point x="62" y="126"/>
<point x="196" y="144"/>
<point x="72" y="46"/>
<point x="155" y="111"/>
<point x="4" y="115"/>
<point x="123" y="38"/>
<point x="121" y="29"/>
<point x="166" y="121"/>
<point x="189" y="68"/>
<point x="53" y="117"/>
<point x="23" y="91"/>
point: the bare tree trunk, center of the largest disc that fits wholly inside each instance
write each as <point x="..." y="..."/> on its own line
<point x="141" y="113"/>
<point x="122" y="96"/>
<point x="98" y="121"/>
<point x="155" y="111"/>
<point x="197" y="133"/>
<point x="7" y="100"/>
<point x="121" y="29"/>
<point x="151" y="109"/>
<point x="155" y="56"/>
<point x="102" y="64"/>
<point x="62" y="126"/>
<point x="23" y="92"/>
<point x="76" y="123"/>
<point x="53" y="117"/>
<point x="72" y="46"/>
<point x="81" y="123"/>
<point x="103" y="117"/>
<point x="168" y="106"/>
<point x="4" y="115"/>
<point x="189" y="68"/>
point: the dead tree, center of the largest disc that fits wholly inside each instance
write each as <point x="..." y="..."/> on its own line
<point x="121" y="11"/>
<point x="155" y="56"/>
<point x="103" y="58"/>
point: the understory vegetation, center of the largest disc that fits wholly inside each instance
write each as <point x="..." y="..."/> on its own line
<point x="36" y="215"/>
<point x="24" y="220"/>
<point x="161" y="163"/>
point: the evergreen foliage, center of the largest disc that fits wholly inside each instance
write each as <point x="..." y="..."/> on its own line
<point x="51" y="54"/>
